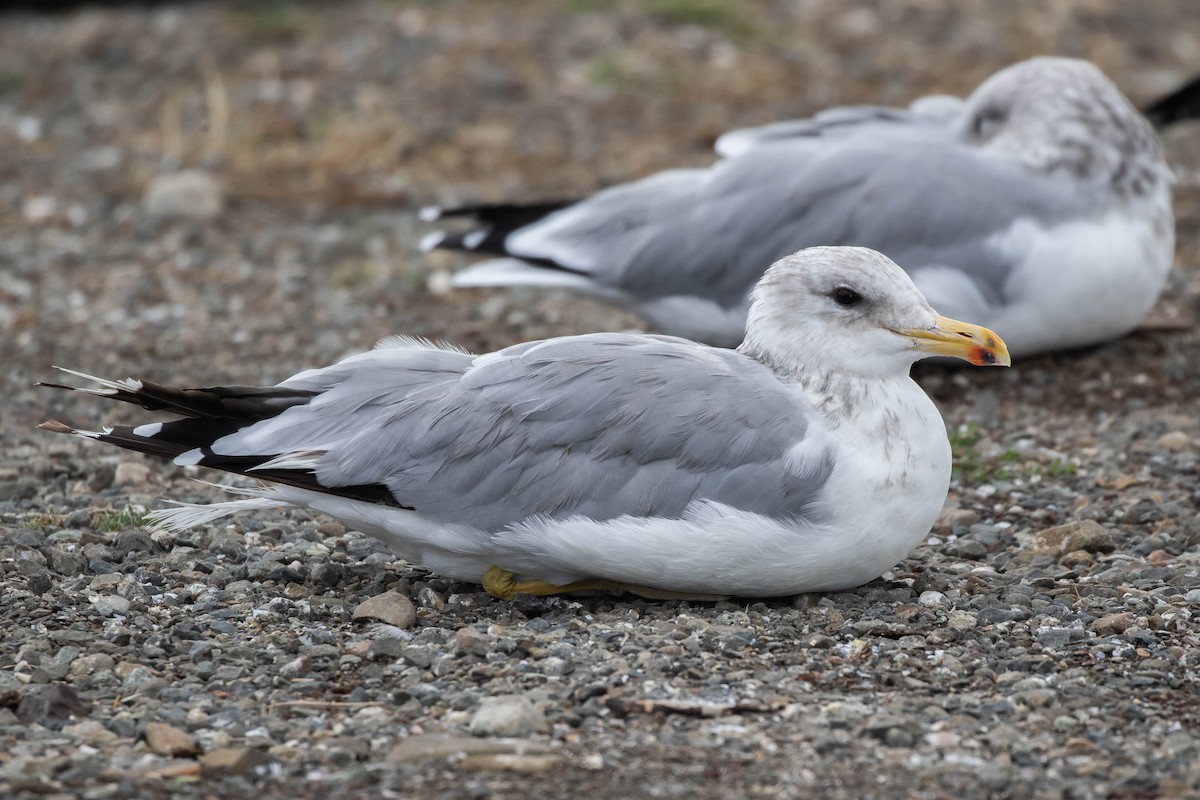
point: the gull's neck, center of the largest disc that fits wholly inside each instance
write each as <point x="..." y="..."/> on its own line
<point x="839" y="397"/>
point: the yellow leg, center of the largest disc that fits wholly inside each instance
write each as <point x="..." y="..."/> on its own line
<point x="502" y="584"/>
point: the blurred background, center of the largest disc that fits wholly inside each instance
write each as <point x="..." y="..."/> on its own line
<point x="232" y="185"/>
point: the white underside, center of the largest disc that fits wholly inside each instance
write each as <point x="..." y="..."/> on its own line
<point x="887" y="486"/>
<point x="1078" y="284"/>
<point x="515" y="272"/>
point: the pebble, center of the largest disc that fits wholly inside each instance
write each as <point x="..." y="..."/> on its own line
<point x="167" y="740"/>
<point x="933" y="599"/>
<point x="471" y="642"/>
<point x="951" y="518"/>
<point x="110" y="605"/>
<point x="331" y="529"/>
<point x="513" y="762"/>
<point x="131" y="473"/>
<point x="1112" y="623"/>
<point x="1084" y="534"/>
<point x="190" y="194"/>
<point x="1175" y="441"/>
<point x="1054" y="638"/>
<point x="507" y="716"/>
<point x="422" y="747"/>
<point x="961" y="621"/>
<point x="233" y="761"/>
<point x="51" y="705"/>
<point x="386" y="648"/>
<point x="90" y="664"/>
<point x="391" y="608"/>
<point x="90" y="732"/>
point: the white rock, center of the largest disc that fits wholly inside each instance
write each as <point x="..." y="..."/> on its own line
<point x="507" y="716"/>
<point x="933" y="599"/>
<point x="110" y="604"/>
<point x="191" y="194"/>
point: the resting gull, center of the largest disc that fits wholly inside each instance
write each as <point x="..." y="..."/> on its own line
<point x="805" y="460"/>
<point x="1040" y="207"/>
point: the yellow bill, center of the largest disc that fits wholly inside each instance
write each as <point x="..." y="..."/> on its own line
<point x="949" y="337"/>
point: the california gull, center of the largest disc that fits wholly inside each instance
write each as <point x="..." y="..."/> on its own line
<point x="1039" y="206"/>
<point x="805" y="460"/>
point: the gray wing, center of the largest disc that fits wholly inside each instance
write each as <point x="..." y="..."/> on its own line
<point x="911" y="191"/>
<point x="935" y="110"/>
<point x="350" y="395"/>
<point x="600" y="425"/>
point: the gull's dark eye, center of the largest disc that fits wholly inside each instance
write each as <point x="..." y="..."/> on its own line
<point x="987" y="121"/>
<point x="845" y="296"/>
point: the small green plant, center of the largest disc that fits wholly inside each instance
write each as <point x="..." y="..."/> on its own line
<point x="970" y="465"/>
<point x="964" y="437"/>
<point x="11" y="80"/>
<point x="1057" y="468"/>
<point x="267" y="19"/>
<point x="722" y="15"/>
<point x="973" y="467"/>
<point x="44" y="522"/>
<point x="355" y="272"/>
<point x="583" y="6"/>
<point x="111" y="520"/>
<point x="609" y="72"/>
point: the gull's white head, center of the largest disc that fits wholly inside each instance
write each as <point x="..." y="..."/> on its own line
<point x="1064" y="116"/>
<point x="852" y="312"/>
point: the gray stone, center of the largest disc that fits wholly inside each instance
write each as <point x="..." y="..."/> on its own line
<point x="390" y="607"/>
<point x="933" y="599"/>
<point x="110" y="604"/>
<point x="427" y="746"/>
<point x="507" y="716"/>
<point x="233" y="761"/>
<point x="472" y="642"/>
<point x="961" y="621"/>
<point x="67" y="562"/>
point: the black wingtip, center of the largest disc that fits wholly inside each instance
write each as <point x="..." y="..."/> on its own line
<point x="1178" y="106"/>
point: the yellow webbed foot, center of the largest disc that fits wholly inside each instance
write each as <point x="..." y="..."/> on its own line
<point x="503" y="585"/>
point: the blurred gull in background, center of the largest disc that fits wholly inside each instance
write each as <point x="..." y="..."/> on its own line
<point x="1039" y="206"/>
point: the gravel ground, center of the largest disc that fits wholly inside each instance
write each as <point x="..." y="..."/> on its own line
<point x="225" y="193"/>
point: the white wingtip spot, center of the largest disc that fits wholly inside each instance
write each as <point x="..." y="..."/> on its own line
<point x="431" y="240"/>
<point x="148" y="430"/>
<point x="473" y="239"/>
<point x="301" y="459"/>
<point x="128" y="384"/>
<point x="189" y="459"/>
<point x="430" y="214"/>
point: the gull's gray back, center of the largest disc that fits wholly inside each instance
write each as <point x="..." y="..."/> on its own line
<point x="599" y="425"/>
<point x="906" y="188"/>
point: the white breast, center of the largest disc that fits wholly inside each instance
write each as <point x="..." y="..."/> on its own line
<point x="889" y="483"/>
<point x="1084" y="282"/>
